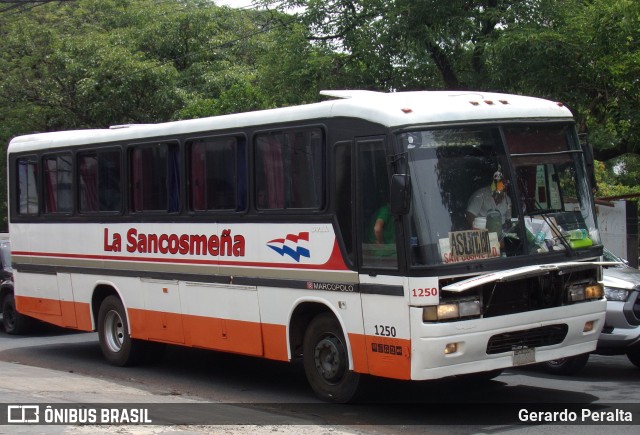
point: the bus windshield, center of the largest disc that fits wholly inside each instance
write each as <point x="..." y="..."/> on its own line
<point x="485" y="192"/>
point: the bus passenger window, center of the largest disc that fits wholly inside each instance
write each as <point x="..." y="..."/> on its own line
<point x="57" y="184"/>
<point x="27" y="186"/>
<point x="99" y="182"/>
<point x="217" y="174"/>
<point x="289" y="170"/>
<point x="155" y="177"/>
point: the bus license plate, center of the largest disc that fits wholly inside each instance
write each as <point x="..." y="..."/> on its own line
<point x="524" y="356"/>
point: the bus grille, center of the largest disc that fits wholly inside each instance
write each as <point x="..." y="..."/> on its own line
<point x="536" y="337"/>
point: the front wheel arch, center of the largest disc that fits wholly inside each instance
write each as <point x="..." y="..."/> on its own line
<point x="326" y="359"/>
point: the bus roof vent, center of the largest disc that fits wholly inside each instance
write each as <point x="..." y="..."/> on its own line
<point x="349" y="93"/>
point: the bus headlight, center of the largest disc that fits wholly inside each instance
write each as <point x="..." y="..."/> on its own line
<point x="452" y="310"/>
<point x="581" y="292"/>
<point x="616" y="294"/>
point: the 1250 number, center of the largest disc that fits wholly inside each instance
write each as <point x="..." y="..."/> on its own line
<point x="385" y="331"/>
<point x="424" y="292"/>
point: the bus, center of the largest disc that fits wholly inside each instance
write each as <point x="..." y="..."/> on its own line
<point x="339" y="233"/>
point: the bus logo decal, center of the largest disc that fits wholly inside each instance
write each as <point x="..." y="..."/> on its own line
<point x="225" y="244"/>
<point x="389" y="349"/>
<point x="292" y="245"/>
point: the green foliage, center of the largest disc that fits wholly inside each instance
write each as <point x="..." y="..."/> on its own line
<point x="88" y="64"/>
<point x="238" y="98"/>
<point x="618" y="177"/>
<point x="85" y="64"/>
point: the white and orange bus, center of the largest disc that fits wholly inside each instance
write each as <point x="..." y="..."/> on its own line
<point x="342" y="233"/>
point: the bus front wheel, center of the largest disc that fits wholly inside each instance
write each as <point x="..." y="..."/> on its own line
<point x="326" y="360"/>
<point x="113" y="331"/>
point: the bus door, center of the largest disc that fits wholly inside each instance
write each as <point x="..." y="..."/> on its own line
<point x="385" y="312"/>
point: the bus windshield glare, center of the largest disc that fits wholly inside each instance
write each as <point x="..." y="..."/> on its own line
<point x="485" y="192"/>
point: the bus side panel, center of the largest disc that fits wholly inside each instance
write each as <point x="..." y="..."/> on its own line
<point x="45" y="298"/>
<point x="204" y="332"/>
<point x="221" y="317"/>
<point x="274" y="338"/>
<point x="359" y="353"/>
<point x="83" y="316"/>
<point x="388" y="335"/>
<point x="43" y="309"/>
<point x="67" y="305"/>
<point x="162" y="314"/>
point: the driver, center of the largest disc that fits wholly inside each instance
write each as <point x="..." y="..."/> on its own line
<point x="491" y="197"/>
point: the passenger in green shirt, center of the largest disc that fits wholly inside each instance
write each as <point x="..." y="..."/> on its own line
<point x="383" y="231"/>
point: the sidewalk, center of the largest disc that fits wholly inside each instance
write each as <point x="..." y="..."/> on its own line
<point x="21" y="384"/>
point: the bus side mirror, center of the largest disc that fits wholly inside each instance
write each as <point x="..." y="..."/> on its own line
<point x="400" y="194"/>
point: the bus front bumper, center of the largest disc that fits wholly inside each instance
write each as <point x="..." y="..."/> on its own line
<point x="440" y="350"/>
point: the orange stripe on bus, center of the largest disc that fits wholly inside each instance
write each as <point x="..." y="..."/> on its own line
<point x="67" y="314"/>
<point x="248" y="338"/>
<point x="389" y="357"/>
<point x="380" y="356"/>
<point x="275" y="341"/>
<point x="359" y="353"/>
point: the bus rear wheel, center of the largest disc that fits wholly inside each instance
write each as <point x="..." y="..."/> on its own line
<point x="113" y="331"/>
<point x="326" y="360"/>
<point x="14" y="323"/>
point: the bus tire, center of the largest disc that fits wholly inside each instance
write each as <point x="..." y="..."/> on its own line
<point x="326" y="360"/>
<point x="113" y="331"/>
<point x="566" y="366"/>
<point x="14" y="323"/>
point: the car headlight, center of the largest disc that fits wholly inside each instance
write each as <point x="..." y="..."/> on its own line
<point x="616" y="294"/>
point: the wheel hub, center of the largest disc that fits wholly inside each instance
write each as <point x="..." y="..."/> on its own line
<point x="329" y="359"/>
<point x="114" y="328"/>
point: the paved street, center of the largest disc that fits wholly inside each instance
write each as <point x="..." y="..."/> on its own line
<point x="65" y="369"/>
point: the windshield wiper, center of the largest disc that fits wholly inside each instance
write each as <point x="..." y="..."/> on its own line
<point x="544" y="213"/>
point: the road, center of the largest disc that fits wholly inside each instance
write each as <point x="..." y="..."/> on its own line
<point x="248" y="395"/>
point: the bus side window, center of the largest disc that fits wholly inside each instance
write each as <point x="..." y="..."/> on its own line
<point x="155" y="178"/>
<point x="58" y="196"/>
<point x="217" y="174"/>
<point x="289" y="169"/>
<point x="28" y="203"/>
<point x="99" y="181"/>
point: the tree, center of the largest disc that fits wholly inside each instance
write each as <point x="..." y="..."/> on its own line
<point x="87" y="64"/>
<point x="584" y="53"/>
<point x="407" y="44"/>
<point x="588" y="56"/>
<point x="80" y="64"/>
